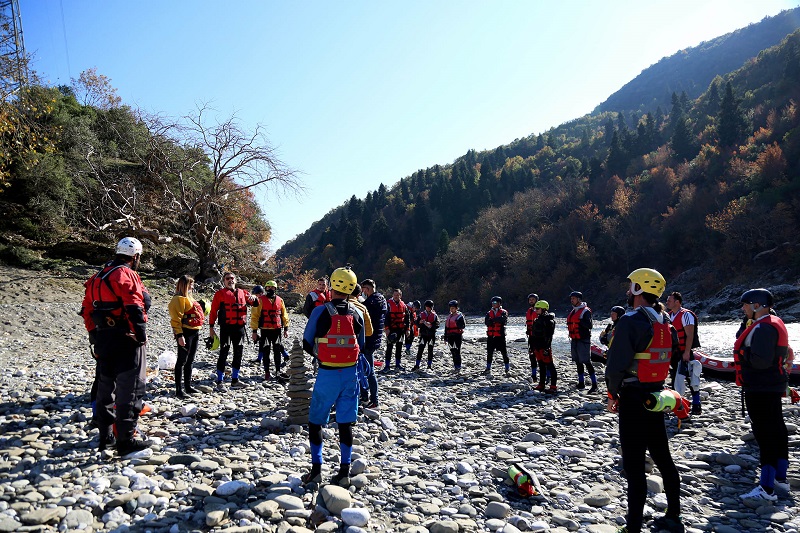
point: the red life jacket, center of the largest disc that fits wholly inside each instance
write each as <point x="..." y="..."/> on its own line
<point x="195" y="317"/>
<point x="781" y="350"/>
<point x="425" y="316"/>
<point x="339" y="347"/>
<point x="321" y="298"/>
<point x="413" y="328"/>
<point x="574" y="321"/>
<point x="496" y="329"/>
<point x="530" y="318"/>
<point x="451" y="324"/>
<point x="232" y="307"/>
<point x="677" y="323"/>
<point x="270" y="317"/>
<point x="652" y="366"/>
<point x="397" y="314"/>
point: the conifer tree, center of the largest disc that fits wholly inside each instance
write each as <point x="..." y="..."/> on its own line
<point x="730" y="122"/>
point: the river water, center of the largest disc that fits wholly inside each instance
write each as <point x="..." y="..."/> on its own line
<point x="716" y="338"/>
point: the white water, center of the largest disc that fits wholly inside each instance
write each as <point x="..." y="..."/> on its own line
<point x="716" y="338"/>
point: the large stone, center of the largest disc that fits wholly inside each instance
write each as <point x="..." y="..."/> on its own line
<point x="497" y="510"/>
<point x="335" y="498"/>
<point x="229" y="488"/>
<point x="77" y="519"/>
<point x="444" y="526"/>
<point x="267" y="509"/>
<point x="355" y="516"/>
<point x="286" y="501"/>
<point x="38" y="517"/>
<point x="597" y="498"/>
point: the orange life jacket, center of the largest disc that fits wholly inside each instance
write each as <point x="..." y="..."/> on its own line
<point x="397" y="314"/>
<point x="451" y="325"/>
<point x="652" y="366"/>
<point x="781" y="350"/>
<point x="339" y="347"/>
<point x="195" y="317"/>
<point x="574" y="322"/>
<point x="496" y="329"/>
<point x="530" y="318"/>
<point x="270" y="317"/>
<point x="677" y="323"/>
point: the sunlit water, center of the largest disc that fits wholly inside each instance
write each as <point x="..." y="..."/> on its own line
<point x="716" y="338"/>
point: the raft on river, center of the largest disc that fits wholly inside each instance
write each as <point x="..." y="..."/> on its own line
<point x="719" y="366"/>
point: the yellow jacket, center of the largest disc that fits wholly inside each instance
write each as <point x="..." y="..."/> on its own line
<point x="178" y="307"/>
<point x="367" y="321"/>
<point x="255" y="315"/>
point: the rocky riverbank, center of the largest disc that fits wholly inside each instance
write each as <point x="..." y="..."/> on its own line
<point x="433" y="457"/>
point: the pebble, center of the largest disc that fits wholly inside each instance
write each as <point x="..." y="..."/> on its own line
<point x="433" y="457"/>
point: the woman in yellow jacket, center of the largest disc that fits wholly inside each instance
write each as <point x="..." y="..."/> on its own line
<point x="186" y="318"/>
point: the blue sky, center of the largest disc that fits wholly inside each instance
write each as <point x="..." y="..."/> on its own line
<point x="354" y="94"/>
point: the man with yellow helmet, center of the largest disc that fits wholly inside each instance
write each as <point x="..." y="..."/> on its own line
<point x="540" y="341"/>
<point x="639" y="354"/>
<point x="334" y="335"/>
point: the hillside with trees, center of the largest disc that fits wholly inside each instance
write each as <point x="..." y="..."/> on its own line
<point x="78" y="170"/>
<point x="710" y="182"/>
<point x="692" y="70"/>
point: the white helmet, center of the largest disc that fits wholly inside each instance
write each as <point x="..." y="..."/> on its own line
<point x="129" y="246"/>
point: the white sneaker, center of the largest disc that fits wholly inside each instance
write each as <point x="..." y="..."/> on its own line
<point x="759" y="493"/>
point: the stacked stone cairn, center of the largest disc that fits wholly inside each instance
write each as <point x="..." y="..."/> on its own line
<point x="300" y="386"/>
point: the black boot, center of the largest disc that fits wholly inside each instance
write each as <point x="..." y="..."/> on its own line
<point x="178" y="387"/>
<point x="187" y="380"/>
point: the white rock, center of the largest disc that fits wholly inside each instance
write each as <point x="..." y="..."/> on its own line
<point x="229" y="488"/>
<point x="572" y="452"/>
<point x="189" y="409"/>
<point x="355" y="516"/>
<point x="464" y="468"/>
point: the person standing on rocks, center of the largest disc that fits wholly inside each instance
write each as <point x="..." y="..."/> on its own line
<point x="115" y="309"/>
<point x="229" y="308"/>
<point x="530" y="317"/>
<point x="683" y="365"/>
<point x="186" y="318"/>
<point x="428" y="324"/>
<point x="495" y="321"/>
<point x="638" y="365"/>
<point x="540" y="342"/>
<point x="413" y="325"/>
<point x="579" y="325"/>
<point x="396" y="329"/>
<point x="760" y="353"/>
<point x="317" y="297"/>
<point x="334" y="335"/>
<point x="377" y="309"/>
<point x="268" y="318"/>
<point x="454" y="326"/>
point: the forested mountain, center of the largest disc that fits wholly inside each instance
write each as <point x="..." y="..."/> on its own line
<point x="710" y="181"/>
<point x="692" y="70"/>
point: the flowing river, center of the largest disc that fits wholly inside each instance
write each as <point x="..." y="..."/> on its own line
<point x="716" y="338"/>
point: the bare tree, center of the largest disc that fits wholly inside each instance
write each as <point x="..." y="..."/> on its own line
<point x="200" y="176"/>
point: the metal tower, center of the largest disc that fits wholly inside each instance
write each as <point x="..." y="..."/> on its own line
<point x="13" y="61"/>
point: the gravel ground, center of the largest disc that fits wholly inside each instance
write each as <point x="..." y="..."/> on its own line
<point x="433" y="457"/>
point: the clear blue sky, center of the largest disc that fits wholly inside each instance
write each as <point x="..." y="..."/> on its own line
<point x="359" y="93"/>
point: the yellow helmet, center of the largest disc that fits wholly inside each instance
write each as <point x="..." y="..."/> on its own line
<point x="542" y="304"/>
<point x="649" y="280"/>
<point x="343" y="280"/>
<point x="271" y="283"/>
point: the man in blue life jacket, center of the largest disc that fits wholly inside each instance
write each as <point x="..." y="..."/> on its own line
<point x="334" y="335"/>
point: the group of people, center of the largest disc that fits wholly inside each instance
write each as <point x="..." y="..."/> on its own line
<point x="342" y="334"/>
